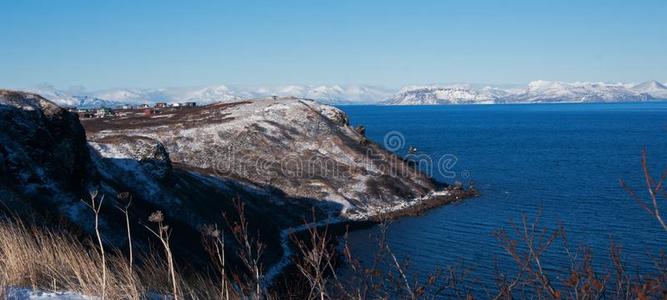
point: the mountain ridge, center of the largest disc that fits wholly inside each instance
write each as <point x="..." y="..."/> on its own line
<point x="539" y="91"/>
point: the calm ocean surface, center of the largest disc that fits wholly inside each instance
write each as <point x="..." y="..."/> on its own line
<point x="561" y="160"/>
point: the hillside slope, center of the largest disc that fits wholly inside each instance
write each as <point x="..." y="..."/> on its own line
<point x="300" y="147"/>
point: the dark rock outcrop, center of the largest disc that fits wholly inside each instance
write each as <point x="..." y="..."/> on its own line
<point x="150" y="153"/>
<point x="42" y="146"/>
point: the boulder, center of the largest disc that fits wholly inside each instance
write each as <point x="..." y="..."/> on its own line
<point x="41" y="143"/>
<point x="150" y="153"/>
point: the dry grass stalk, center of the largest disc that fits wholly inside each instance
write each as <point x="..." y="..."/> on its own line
<point x="214" y="243"/>
<point x="96" y="206"/>
<point x="125" y="200"/>
<point x="164" y="234"/>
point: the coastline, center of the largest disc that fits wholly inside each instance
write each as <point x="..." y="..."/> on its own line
<point x="351" y="222"/>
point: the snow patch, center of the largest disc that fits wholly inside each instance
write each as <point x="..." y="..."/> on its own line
<point x="19" y="293"/>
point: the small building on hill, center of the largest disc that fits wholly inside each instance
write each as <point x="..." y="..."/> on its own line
<point x="160" y="105"/>
<point x="104" y="112"/>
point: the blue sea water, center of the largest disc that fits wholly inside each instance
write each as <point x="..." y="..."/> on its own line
<point x="562" y="162"/>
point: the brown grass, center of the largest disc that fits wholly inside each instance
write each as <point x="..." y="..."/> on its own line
<point x="55" y="261"/>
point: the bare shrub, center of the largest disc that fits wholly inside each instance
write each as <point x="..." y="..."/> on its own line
<point x="527" y="243"/>
<point x="529" y="260"/>
<point x="655" y="189"/>
<point x="314" y="259"/>
<point x="250" y="250"/>
<point x="386" y="276"/>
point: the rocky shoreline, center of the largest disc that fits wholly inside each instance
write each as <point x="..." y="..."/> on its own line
<point x="417" y="205"/>
<point x="346" y="223"/>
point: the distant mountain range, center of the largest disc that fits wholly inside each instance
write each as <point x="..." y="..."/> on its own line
<point x="535" y="92"/>
<point x="330" y="94"/>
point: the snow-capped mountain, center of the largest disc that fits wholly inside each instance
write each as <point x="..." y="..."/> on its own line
<point x="456" y="94"/>
<point x="331" y="94"/>
<point x="653" y="88"/>
<point x="129" y="96"/>
<point x="536" y="92"/>
<point x="350" y="94"/>
<point x="71" y="99"/>
<point x="556" y="91"/>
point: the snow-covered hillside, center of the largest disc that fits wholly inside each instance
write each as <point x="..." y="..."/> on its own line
<point x="653" y="88"/>
<point x="555" y="91"/>
<point x="536" y="92"/>
<point x="455" y="94"/>
<point x="305" y="149"/>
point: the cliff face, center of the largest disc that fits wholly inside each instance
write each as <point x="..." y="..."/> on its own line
<point x="300" y="147"/>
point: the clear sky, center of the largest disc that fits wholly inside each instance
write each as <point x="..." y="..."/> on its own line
<point x="108" y="44"/>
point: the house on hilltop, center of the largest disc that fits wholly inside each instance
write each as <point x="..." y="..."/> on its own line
<point x="104" y="112"/>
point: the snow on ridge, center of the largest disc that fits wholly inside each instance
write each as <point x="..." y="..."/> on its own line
<point x="538" y="91"/>
<point x="458" y="93"/>
<point x="349" y="94"/>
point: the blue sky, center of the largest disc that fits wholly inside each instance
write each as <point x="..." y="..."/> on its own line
<point x="108" y="44"/>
